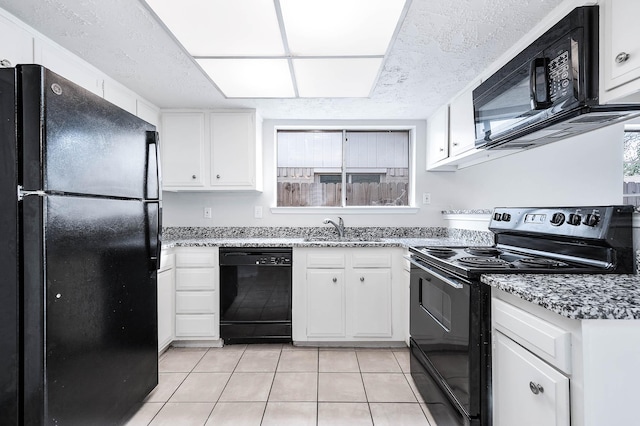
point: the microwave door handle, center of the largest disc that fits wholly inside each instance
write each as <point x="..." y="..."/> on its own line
<point x="538" y="77"/>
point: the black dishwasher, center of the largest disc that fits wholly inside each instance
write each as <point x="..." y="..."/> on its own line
<point x="255" y="295"/>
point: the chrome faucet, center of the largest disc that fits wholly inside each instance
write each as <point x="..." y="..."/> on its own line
<point x="339" y="226"/>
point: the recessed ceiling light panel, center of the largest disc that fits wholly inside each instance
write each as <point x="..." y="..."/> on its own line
<point x="336" y="78"/>
<point x="222" y="27"/>
<point x="340" y="27"/>
<point x="250" y="78"/>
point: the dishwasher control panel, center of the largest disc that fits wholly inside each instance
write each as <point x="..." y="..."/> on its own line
<point x="255" y="256"/>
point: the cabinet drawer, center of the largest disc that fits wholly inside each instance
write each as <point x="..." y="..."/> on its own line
<point x="548" y="341"/>
<point x="196" y="278"/>
<point x="196" y="258"/>
<point x="195" y="302"/>
<point x="167" y="261"/>
<point x="195" y="326"/>
<point x="325" y="260"/>
<point x="371" y="260"/>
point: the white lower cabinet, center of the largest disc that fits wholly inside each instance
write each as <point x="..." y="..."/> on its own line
<point x="197" y="294"/>
<point x="166" y="297"/>
<point x="528" y="391"/>
<point x="548" y="369"/>
<point x="326" y="303"/>
<point x="370" y="302"/>
<point x="348" y="294"/>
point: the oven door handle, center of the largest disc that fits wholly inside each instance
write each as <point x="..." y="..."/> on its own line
<point x="448" y="280"/>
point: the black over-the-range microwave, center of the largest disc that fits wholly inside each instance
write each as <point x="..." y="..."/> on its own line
<point x="549" y="91"/>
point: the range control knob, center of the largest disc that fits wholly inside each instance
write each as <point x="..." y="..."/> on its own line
<point x="574" y="219"/>
<point x="497" y="217"/>
<point x="591" y="219"/>
<point x="506" y="217"/>
<point x="557" y="219"/>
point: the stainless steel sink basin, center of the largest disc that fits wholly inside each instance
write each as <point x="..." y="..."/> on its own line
<point x="342" y="240"/>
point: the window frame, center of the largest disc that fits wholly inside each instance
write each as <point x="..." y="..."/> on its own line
<point x="411" y="208"/>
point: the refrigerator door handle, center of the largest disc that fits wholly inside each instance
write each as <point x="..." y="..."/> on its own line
<point x="152" y="175"/>
<point x="153" y="213"/>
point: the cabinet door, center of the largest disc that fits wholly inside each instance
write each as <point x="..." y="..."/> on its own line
<point x="325" y="303"/>
<point x="527" y="390"/>
<point x="120" y="96"/>
<point x="462" y="136"/>
<point x="166" y="314"/>
<point x="67" y="65"/>
<point x="233" y="158"/>
<point x="19" y="49"/>
<point x="369" y="306"/>
<point x="438" y="136"/>
<point x="622" y="36"/>
<point x="183" y="149"/>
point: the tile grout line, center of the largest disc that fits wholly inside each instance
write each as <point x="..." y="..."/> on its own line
<point x="225" y="385"/>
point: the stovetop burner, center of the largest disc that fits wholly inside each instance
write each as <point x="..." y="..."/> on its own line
<point x="483" y="251"/>
<point x="440" y="251"/>
<point x="483" y="262"/>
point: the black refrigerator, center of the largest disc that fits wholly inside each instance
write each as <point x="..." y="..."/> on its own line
<point x="80" y="220"/>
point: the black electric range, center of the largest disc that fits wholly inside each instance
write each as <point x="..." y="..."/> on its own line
<point x="450" y="310"/>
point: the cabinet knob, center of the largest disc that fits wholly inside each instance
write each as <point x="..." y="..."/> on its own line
<point x="441" y="149"/>
<point x="622" y="57"/>
<point x="455" y="144"/>
<point x="536" y="388"/>
<point x="5" y="63"/>
<point x="361" y="279"/>
<point x="193" y="176"/>
<point x="217" y="176"/>
<point x="335" y="280"/>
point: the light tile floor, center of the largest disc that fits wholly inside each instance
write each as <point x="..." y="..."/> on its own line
<point x="283" y="385"/>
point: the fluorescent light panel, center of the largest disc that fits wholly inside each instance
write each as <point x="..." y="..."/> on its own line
<point x="340" y="27"/>
<point x="336" y="78"/>
<point x="336" y="47"/>
<point x="250" y="78"/>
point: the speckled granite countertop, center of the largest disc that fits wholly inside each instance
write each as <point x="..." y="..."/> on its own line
<point x="300" y="242"/>
<point x="575" y="296"/>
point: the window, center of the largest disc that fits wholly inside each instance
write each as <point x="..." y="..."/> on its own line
<point x="338" y="168"/>
<point x="631" y="166"/>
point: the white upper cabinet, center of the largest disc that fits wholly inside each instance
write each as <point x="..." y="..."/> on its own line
<point x="620" y="49"/>
<point x="234" y="151"/>
<point x="119" y="95"/>
<point x="438" y="136"/>
<point x="211" y="151"/>
<point x="462" y="135"/>
<point x="67" y="65"/>
<point x="183" y="150"/>
<point x="16" y="44"/>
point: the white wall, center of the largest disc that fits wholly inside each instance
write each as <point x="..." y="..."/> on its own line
<point x="583" y="170"/>
<point x="236" y="209"/>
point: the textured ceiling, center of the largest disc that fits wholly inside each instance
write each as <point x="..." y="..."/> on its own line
<point x="442" y="46"/>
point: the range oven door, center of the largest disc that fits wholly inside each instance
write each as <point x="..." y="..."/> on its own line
<point x="449" y="332"/>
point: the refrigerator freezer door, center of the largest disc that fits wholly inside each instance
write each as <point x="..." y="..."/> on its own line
<point x="85" y="144"/>
<point x="91" y="317"/>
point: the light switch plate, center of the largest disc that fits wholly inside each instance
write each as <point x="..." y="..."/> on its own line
<point x="257" y="212"/>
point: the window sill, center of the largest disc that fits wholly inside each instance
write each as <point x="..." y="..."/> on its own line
<point x="345" y="210"/>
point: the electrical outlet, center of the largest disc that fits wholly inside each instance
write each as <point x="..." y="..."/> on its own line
<point x="426" y="198"/>
<point x="207" y="212"/>
<point x="257" y="212"/>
